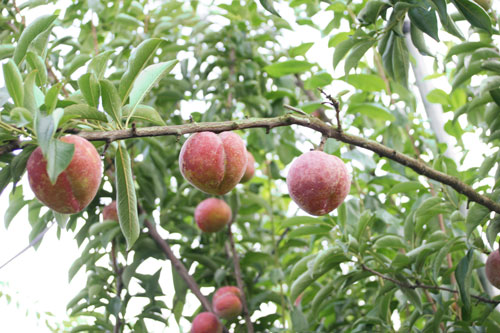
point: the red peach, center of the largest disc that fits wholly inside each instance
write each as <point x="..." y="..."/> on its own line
<point x="206" y="322"/>
<point x="226" y="290"/>
<point x="109" y="212"/>
<point x="213" y="163"/>
<point x="212" y="215"/>
<point x="76" y="186"/>
<point x="227" y="306"/>
<point x="318" y="182"/>
<point x="250" y="169"/>
<point x="493" y="268"/>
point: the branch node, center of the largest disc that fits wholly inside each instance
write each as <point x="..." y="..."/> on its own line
<point x="335" y="103"/>
<point x="134" y="130"/>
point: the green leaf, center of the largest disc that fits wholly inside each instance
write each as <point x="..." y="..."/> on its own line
<point x="477" y="215"/>
<point x="390" y="241"/>
<point x="58" y="158"/>
<point x="341" y="50"/>
<point x="51" y="97"/>
<point x="128" y="21"/>
<point x="466" y="47"/>
<point x="372" y="110"/>
<point x="18" y="164"/>
<point x="371" y="11"/>
<point x="98" y="64"/>
<point x="319" y="79"/>
<point x="406" y="187"/>
<point x="465" y="73"/>
<point x="6" y="50"/>
<point x="14" y="82"/>
<point x="82" y="111"/>
<point x="4" y="178"/>
<point x="111" y="100"/>
<point x="425" y="20"/>
<point x="16" y="203"/>
<point x="463" y="275"/>
<point x="138" y="60"/>
<point x="36" y="63"/>
<point x="299" y="321"/>
<point x="268" y="5"/>
<point x="28" y="35"/>
<point x="146" y="80"/>
<point x="418" y="39"/>
<point x="400" y="61"/>
<point x="356" y="53"/>
<point x="366" y="82"/>
<point x="33" y="98"/>
<point x="474" y="13"/>
<point x="287" y="67"/>
<point x="438" y="96"/>
<point x="126" y="197"/>
<point x="61" y="219"/>
<point x="298" y="220"/>
<point x="337" y="38"/>
<point x="144" y="113"/>
<point x="89" y="86"/>
<point x="493" y="230"/>
<point x="300" y="50"/>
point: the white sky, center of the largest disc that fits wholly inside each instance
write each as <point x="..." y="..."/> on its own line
<point x="38" y="280"/>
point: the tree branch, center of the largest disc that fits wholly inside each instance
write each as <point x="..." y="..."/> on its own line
<point x="119" y="284"/>
<point x="239" y="279"/>
<point x="423" y="286"/>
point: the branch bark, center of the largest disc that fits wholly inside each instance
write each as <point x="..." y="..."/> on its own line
<point x="119" y="284"/>
<point x="423" y="286"/>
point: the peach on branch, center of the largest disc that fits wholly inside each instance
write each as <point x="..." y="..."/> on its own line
<point x="206" y="322"/>
<point x="493" y="268"/>
<point x="110" y="212"/>
<point x="76" y="186"/>
<point x="212" y="215"/>
<point x="213" y="163"/>
<point x="318" y="182"/>
<point x="227" y="302"/>
<point x="250" y="168"/>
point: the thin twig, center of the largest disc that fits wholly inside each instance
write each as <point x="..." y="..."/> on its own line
<point x="424" y="286"/>
<point x="119" y="284"/>
<point x="239" y="279"/>
<point x="333" y="102"/>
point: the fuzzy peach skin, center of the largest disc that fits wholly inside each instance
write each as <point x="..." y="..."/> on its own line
<point x="493" y="268"/>
<point x="206" y="322"/>
<point x="109" y="212"/>
<point x="212" y="215"/>
<point x="226" y="290"/>
<point x="213" y="163"/>
<point x="250" y="169"/>
<point x="76" y="186"/>
<point x="318" y="182"/>
<point x="227" y="306"/>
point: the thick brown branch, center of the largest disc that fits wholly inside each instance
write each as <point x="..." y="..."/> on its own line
<point x="423" y="286"/>
<point x="313" y="123"/>
<point x="239" y="279"/>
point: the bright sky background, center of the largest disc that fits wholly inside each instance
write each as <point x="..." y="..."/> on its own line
<point x="38" y="280"/>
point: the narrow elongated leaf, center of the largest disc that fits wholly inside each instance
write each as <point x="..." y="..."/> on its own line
<point x="406" y="187"/>
<point x="356" y="53"/>
<point x="425" y="20"/>
<point x="268" y="5"/>
<point x="139" y="59"/>
<point x="372" y="110"/>
<point x="51" y="97"/>
<point x="111" y="100"/>
<point x="341" y="50"/>
<point x="36" y="63"/>
<point x="417" y="38"/>
<point x="58" y="158"/>
<point x="146" y="80"/>
<point x="98" y="64"/>
<point x="287" y="67"/>
<point x="82" y="111"/>
<point x="14" y="82"/>
<point x="34" y="29"/>
<point x="6" y="50"/>
<point x="300" y="50"/>
<point x="16" y="202"/>
<point x="126" y="196"/>
<point x="144" y="113"/>
<point x="474" y="13"/>
<point x="366" y="82"/>
<point x="89" y="86"/>
<point x="476" y="216"/>
<point x="463" y="275"/>
<point x="400" y="61"/>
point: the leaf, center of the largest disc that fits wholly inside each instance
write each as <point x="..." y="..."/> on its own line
<point x="298" y="220"/>
<point x="14" y="82"/>
<point x="138" y="60"/>
<point x="6" y="50"/>
<point x="31" y="98"/>
<point x="299" y="321"/>
<point x="51" y="97"/>
<point x="300" y="50"/>
<point x="400" y="61"/>
<point x="89" y="86"/>
<point x="128" y="21"/>
<point x="406" y="187"/>
<point x="425" y="20"/>
<point x="82" y="111"/>
<point x="38" y="26"/>
<point x="126" y="197"/>
<point x="58" y="158"/>
<point x="111" y="100"/>
<point x="146" y="80"/>
<point x="16" y="203"/>
<point x="390" y="241"/>
<point x="493" y="230"/>
<point x="4" y="178"/>
<point x="476" y="216"/>
<point x="287" y="67"/>
<point x="145" y="113"/>
<point x="463" y="275"/>
<point x="418" y="40"/>
<point x="98" y="64"/>
<point x="371" y="11"/>
<point x="309" y="230"/>
<point x="372" y="110"/>
<point x="341" y="50"/>
<point x="474" y="13"/>
<point x="36" y="63"/>
<point x="438" y="96"/>
<point x="61" y="219"/>
<point x="466" y="47"/>
<point x="356" y="53"/>
<point x="18" y="164"/>
<point x="268" y="5"/>
<point x="366" y="82"/>
<point x="319" y="79"/>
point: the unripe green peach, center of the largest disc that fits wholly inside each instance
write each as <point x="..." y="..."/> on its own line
<point x="318" y="182"/>
<point x="213" y="163"/>
<point x="250" y="169"/>
<point x="493" y="268"/>
<point x="76" y="186"/>
<point x="110" y="212"/>
<point x="212" y="215"/>
<point x="206" y="322"/>
<point x="227" y="302"/>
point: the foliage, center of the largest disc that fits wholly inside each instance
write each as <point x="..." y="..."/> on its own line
<point x="141" y="63"/>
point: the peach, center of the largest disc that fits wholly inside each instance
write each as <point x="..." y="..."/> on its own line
<point x="250" y="169"/>
<point x="76" y="186"/>
<point x="213" y="163"/>
<point x="110" y="212"/>
<point x="318" y="182"/>
<point x="212" y="215"/>
<point x="493" y="268"/>
<point x="227" y="302"/>
<point x="206" y="322"/>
